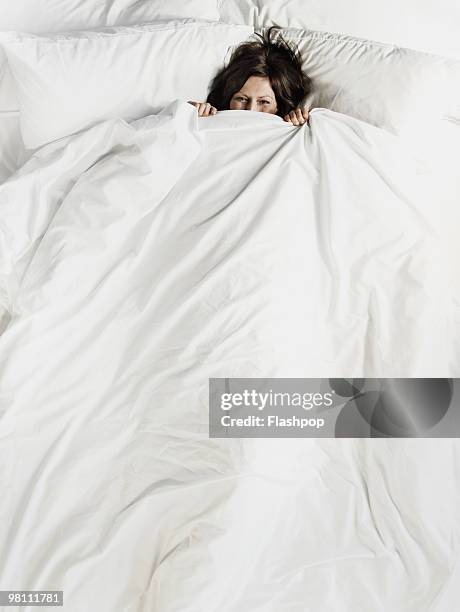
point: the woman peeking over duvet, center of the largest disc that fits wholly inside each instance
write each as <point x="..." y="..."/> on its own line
<point x="262" y="76"/>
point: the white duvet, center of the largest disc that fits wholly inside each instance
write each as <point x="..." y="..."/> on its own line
<point x="139" y="260"/>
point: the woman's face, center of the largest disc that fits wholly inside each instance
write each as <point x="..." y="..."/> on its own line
<point x="255" y="95"/>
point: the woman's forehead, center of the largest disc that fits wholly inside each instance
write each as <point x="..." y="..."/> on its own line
<point x="257" y="86"/>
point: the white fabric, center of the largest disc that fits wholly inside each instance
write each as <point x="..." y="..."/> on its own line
<point x="60" y="15"/>
<point x="67" y="82"/>
<point x="11" y="146"/>
<point x="429" y="21"/>
<point x="41" y="16"/>
<point x="8" y="95"/>
<point x="137" y="261"/>
<point x="426" y="25"/>
<point x="412" y="94"/>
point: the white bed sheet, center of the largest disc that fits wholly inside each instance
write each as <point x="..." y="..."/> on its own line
<point x="137" y="262"/>
<point x="12" y="151"/>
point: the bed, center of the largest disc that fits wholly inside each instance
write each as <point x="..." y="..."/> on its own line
<point x="144" y="250"/>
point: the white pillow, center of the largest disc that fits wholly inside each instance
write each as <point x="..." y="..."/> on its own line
<point x="51" y="16"/>
<point x="427" y="25"/>
<point x="39" y="16"/>
<point x="67" y="82"/>
<point x="410" y="93"/>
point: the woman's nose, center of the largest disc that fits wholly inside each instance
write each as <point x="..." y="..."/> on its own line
<point x="251" y="105"/>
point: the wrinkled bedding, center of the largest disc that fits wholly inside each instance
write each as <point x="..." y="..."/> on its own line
<point x="138" y="260"/>
<point x="430" y="26"/>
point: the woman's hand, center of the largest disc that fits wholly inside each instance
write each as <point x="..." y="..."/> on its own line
<point x="298" y="116"/>
<point x="204" y="108"/>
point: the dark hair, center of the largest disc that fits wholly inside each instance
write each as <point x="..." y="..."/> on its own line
<point x="279" y="61"/>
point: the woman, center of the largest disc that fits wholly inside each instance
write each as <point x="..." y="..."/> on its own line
<point x="263" y="76"/>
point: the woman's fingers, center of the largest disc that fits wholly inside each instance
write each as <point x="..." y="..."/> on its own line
<point x="209" y="110"/>
<point x="294" y="117"/>
<point x="291" y="118"/>
<point x="204" y="108"/>
<point x="200" y="107"/>
<point x="298" y="116"/>
<point x="301" y="115"/>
